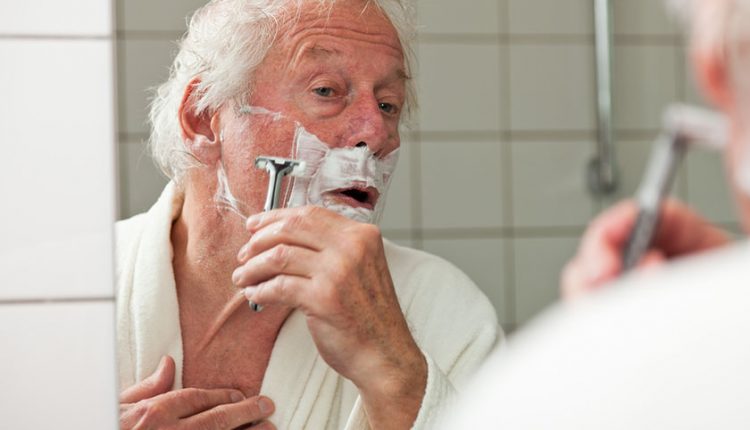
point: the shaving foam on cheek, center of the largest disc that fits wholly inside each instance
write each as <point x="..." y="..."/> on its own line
<point x="223" y="196"/>
<point x="333" y="169"/>
<point x="327" y="171"/>
<point x="257" y="110"/>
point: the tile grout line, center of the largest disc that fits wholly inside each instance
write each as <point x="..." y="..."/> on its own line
<point x="415" y="177"/>
<point x="54" y="37"/>
<point x="59" y="300"/>
<point x="120" y="185"/>
<point x="506" y="164"/>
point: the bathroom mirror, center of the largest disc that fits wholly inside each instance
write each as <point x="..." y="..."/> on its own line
<point x="523" y="121"/>
<point x="492" y="168"/>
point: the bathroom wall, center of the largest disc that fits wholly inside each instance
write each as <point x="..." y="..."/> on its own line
<point x="493" y="170"/>
<point x="57" y="187"/>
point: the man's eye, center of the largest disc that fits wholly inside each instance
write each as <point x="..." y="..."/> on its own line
<point x="324" y="91"/>
<point x="388" y="108"/>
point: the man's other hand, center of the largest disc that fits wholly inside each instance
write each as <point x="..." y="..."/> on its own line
<point x="151" y="405"/>
<point x="680" y="232"/>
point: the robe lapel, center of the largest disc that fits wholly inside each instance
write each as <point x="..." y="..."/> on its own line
<point x="307" y="392"/>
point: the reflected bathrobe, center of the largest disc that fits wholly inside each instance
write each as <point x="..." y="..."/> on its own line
<point x="452" y="321"/>
<point x="662" y="349"/>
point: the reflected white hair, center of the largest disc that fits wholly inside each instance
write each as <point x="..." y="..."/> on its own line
<point x="225" y="42"/>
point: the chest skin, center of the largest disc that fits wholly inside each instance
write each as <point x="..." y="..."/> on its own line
<point x="237" y="356"/>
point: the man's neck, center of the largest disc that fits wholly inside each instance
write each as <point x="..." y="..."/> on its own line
<point x="205" y="241"/>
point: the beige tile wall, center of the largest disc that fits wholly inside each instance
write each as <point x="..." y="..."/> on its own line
<point x="492" y="173"/>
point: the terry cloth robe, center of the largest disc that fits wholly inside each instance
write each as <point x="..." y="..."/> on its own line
<point x="658" y="349"/>
<point x="452" y="321"/>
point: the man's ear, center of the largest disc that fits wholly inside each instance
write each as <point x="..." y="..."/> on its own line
<point x="713" y="78"/>
<point x="200" y="132"/>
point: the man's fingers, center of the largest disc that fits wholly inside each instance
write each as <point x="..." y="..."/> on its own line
<point x="284" y="290"/>
<point x="323" y="217"/>
<point x="610" y="230"/>
<point x="599" y="256"/>
<point x="282" y="259"/>
<point x="192" y="401"/>
<point x="291" y="228"/>
<point x="263" y="219"/>
<point x="157" y="383"/>
<point x="229" y="416"/>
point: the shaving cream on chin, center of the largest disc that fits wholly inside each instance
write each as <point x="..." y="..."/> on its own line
<point x="331" y="169"/>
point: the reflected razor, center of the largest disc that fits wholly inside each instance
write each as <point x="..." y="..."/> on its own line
<point x="683" y="126"/>
<point x="276" y="168"/>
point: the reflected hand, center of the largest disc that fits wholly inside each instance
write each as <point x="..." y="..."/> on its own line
<point x="334" y="270"/>
<point x="680" y="232"/>
<point x="150" y="405"/>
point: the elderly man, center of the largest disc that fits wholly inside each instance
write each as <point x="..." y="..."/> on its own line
<point x="354" y="332"/>
<point x="665" y="348"/>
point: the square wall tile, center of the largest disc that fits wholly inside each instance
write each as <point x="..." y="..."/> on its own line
<point x="709" y="190"/>
<point x="549" y="184"/>
<point x="450" y="16"/>
<point x="461" y="184"/>
<point x="539" y="264"/>
<point x="483" y="260"/>
<point x="162" y="15"/>
<point x="58" y="175"/>
<point x="141" y="181"/>
<point x="643" y="17"/>
<point x="143" y="65"/>
<point x="552" y="87"/>
<point x="399" y="206"/>
<point x="551" y="16"/>
<point x="58" y="366"/>
<point x="460" y="87"/>
<point x="645" y="82"/>
<point x="56" y="18"/>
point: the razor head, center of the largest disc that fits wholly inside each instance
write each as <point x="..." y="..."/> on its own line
<point x="697" y="126"/>
<point x="277" y="168"/>
<point x="280" y="166"/>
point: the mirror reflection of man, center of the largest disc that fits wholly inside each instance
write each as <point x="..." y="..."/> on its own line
<point x="355" y="332"/>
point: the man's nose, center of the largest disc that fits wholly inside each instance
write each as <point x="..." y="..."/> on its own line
<point x="368" y="127"/>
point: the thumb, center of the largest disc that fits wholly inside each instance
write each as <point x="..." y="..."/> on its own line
<point x="157" y="383"/>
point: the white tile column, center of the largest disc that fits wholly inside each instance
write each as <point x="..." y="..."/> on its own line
<point x="57" y="190"/>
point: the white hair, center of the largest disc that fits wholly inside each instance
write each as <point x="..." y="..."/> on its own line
<point x="225" y="42"/>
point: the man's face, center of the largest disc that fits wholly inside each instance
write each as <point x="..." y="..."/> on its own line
<point x="340" y="75"/>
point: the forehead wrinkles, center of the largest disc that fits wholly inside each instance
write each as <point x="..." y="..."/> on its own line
<point x="312" y="42"/>
<point x="368" y="25"/>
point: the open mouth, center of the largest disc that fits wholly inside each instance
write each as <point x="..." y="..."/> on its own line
<point x="358" y="197"/>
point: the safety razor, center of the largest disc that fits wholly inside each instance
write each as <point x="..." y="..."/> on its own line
<point x="276" y="168"/>
<point x="684" y="127"/>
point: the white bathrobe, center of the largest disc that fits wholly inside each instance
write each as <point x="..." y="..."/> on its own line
<point x="452" y="321"/>
<point x="663" y="349"/>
